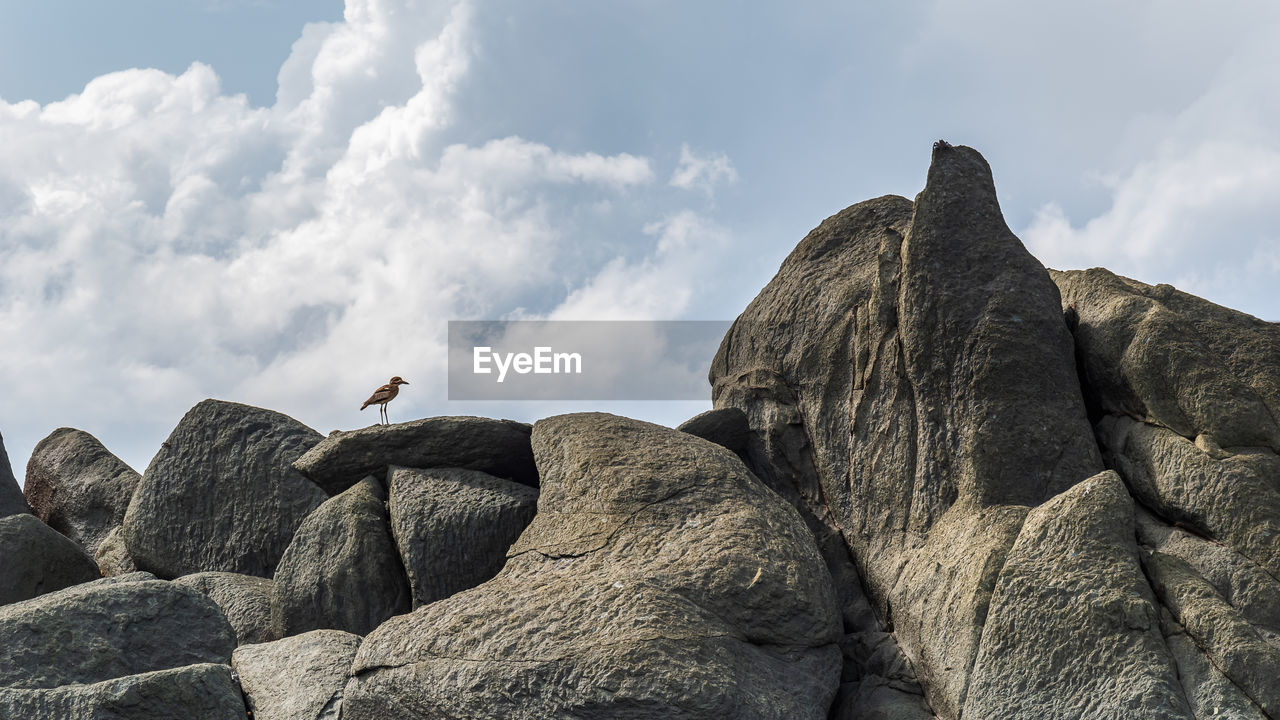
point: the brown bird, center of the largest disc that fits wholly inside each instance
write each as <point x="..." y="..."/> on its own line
<point x="384" y="395"/>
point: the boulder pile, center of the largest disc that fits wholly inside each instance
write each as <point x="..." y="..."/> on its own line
<point x="939" y="481"/>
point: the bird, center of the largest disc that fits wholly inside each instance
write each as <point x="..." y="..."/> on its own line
<point x="384" y="395"/>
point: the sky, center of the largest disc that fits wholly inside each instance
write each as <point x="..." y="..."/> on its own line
<point x="283" y="203"/>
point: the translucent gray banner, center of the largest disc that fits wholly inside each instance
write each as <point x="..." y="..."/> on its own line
<point x="582" y="359"/>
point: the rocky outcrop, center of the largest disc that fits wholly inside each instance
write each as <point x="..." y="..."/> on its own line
<point x="297" y="678"/>
<point x="220" y="494"/>
<point x="342" y="570"/>
<point x="659" y="579"/>
<point x="911" y="386"/>
<point x="131" y="627"/>
<point x="195" y="692"/>
<point x="11" y="500"/>
<point x="36" y="559"/>
<point x="78" y="487"/>
<point x="497" y="447"/>
<point x="244" y="600"/>
<point x="454" y="526"/>
<point x="1185" y="395"/>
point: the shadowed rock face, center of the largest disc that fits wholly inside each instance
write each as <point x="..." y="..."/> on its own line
<point x="11" y="500"/>
<point x="195" y="692"/>
<point x="244" y="600"/>
<point x="35" y="559"/>
<point x="342" y="570"/>
<point x="78" y="487"/>
<point x="498" y="447"/>
<point x="220" y="494"/>
<point x="658" y="579"/>
<point x="911" y="387"/>
<point x="453" y="527"/>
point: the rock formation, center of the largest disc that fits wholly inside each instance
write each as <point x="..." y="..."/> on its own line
<point x="220" y="494"/>
<point x="939" y="481"/>
<point x="78" y="487"/>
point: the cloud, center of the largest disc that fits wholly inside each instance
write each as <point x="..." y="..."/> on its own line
<point x="702" y="172"/>
<point x="161" y="241"/>
<point x="1199" y="210"/>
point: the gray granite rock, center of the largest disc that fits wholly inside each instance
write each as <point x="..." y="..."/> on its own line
<point x="297" y="678"/>
<point x="453" y="527"/>
<point x="727" y="427"/>
<point x="220" y="494"/>
<point x="36" y="559"/>
<point x="245" y="600"/>
<point x="78" y="487"/>
<point x="497" y="447"/>
<point x="658" y="579"/>
<point x="342" y="570"/>
<point x="11" y="500"/>
<point x="113" y="555"/>
<point x="109" y="629"/>
<point x="194" y="692"/>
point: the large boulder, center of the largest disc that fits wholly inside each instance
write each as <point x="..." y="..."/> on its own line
<point x="36" y="559"/>
<point x="11" y="500"/>
<point x="498" y="447"/>
<point x="78" y="487"/>
<point x="342" y="570"/>
<point x="727" y="427"/>
<point x="109" y="629"/>
<point x="245" y="600"/>
<point x="454" y="526"/>
<point x="911" y="387"/>
<point x="220" y="494"/>
<point x="297" y="678"/>
<point x="195" y="692"/>
<point x="658" y="579"/>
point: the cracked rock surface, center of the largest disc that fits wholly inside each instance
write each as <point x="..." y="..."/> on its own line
<point x="658" y="579"/>
<point x="297" y="678"/>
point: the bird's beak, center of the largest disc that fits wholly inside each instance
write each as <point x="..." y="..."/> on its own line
<point x="404" y="382"/>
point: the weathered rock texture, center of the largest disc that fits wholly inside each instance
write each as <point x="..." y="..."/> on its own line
<point x="36" y="559"/>
<point x="78" y="487"/>
<point x="220" y="494"/>
<point x="727" y="427"/>
<point x="11" y="500"/>
<point x="658" y="579"/>
<point x="342" y="570"/>
<point x="195" y="692"/>
<point x="113" y="555"/>
<point x="245" y="600"/>
<point x="498" y="447"/>
<point x="109" y="629"/>
<point x="454" y="526"/>
<point x="297" y="678"/>
<point x="1186" y="397"/>
<point x="911" y="386"/>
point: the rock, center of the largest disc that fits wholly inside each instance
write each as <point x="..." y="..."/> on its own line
<point x="78" y="487"/>
<point x="244" y="600"/>
<point x="911" y="387"/>
<point x="342" y="570"/>
<point x="1179" y="481"/>
<point x="1208" y="691"/>
<point x="659" y="579"/>
<point x="1228" y="641"/>
<point x="36" y="559"/>
<point x="220" y="494"/>
<point x="498" y="447"/>
<point x="11" y="500"/>
<point x="109" y="629"/>
<point x="727" y="427"/>
<point x="1175" y="360"/>
<point x="297" y="678"/>
<point x="1071" y="588"/>
<point x="113" y="556"/>
<point x="195" y="692"/>
<point x="453" y="527"/>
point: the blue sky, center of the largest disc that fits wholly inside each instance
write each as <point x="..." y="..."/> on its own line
<point x="283" y="203"/>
